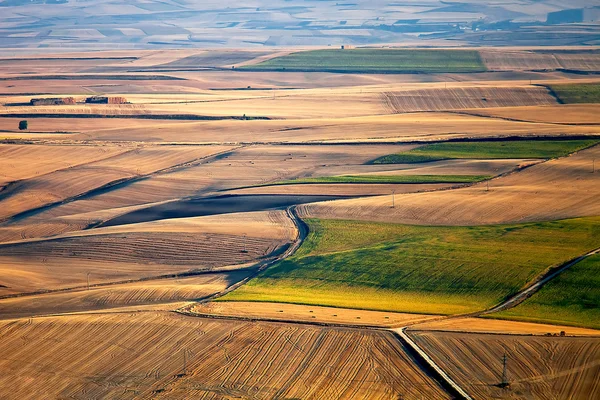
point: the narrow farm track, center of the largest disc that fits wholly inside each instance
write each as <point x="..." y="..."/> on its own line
<point x="529" y="291"/>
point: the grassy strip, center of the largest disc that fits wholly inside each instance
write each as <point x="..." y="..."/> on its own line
<point x="419" y="269"/>
<point x="488" y="150"/>
<point x="572" y="298"/>
<point x="387" y="179"/>
<point x="577" y="93"/>
<point x="375" y="61"/>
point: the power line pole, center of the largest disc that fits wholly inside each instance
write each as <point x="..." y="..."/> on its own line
<point x="504" y="382"/>
<point x="184" y="362"/>
<point x="393" y="199"/>
<point x="88" y="281"/>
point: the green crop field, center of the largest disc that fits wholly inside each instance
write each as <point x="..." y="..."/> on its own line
<point x="577" y="93"/>
<point x="572" y="298"/>
<point x="376" y="61"/>
<point x="387" y="179"/>
<point x="486" y="150"/>
<point x="420" y="269"/>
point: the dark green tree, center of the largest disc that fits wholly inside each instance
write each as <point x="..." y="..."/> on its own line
<point x="22" y="125"/>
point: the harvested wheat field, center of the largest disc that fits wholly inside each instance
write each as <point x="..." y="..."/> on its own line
<point x="488" y="325"/>
<point x="142" y="251"/>
<point x="140" y="354"/>
<point x="537" y="367"/>
<point x="76" y="181"/>
<point x="319" y="200"/>
<point x="116" y="296"/>
<point x="301" y="313"/>
<point x="567" y="114"/>
<point x="454" y="99"/>
<point x="556" y="189"/>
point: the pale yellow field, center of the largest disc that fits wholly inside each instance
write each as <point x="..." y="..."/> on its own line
<point x="301" y="313"/>
<point x="488" y="325"/>
<point x="18" y="162"/>
<point x="557" y="189"/>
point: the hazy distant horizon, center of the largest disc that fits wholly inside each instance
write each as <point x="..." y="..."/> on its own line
<point x="37" y="25"/>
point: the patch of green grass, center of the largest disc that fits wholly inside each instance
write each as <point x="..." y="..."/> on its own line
<point x="388" y="179"/>
<point x="572" y="298"/>
<point x="485" y="150"/>
<point x="420" y="269"/>
<point x="577" y="93"/>
<point x="376" y="61"/>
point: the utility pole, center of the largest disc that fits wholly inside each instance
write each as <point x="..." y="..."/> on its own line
<point x="487" y="187"/>
<point x="504" y="382"/>
<point x="184" y="362"/>
<point x="245" y="247"/>
<point x="593" y="165"/>
<point x="88" y="281"/>
<point x="393" y="199"/>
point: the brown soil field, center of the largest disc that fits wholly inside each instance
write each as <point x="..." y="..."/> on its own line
<point x="301" y="313"/>
<point x="160" y="291"/>
<point x="460" y="98"/>
<point x="514" y="60"/>
<point x="141" y="251"/>
<point x="140" y="354"/>
<point x="579" y="114"/>
<point x="557" y="189"/>
<point x="67" y="183"/>
<point x="243" y="167"/>
<point x="18" y="162"/>
<point x="518" y="60"/>
<point x="537" y="367"/>
<point x="488" y="325"/>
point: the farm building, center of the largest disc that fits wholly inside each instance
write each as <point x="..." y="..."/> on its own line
<point x="57" y="101"/>
<point x="105" y="100"/>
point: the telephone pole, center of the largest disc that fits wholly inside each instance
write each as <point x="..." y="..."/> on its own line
<point x="504" y="382"/>
<point x="88" y="281"/>
<point x="393" y="199"/>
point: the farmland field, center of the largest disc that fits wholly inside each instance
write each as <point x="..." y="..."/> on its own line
<point x="537" y="367"/>
<point x="448" y="269"/>
<point x="375" y="61"/>
<point x="299" y="200"/>
<point x="484" y="150"/>
<point x="578" y="93"/>
<point x="465" y="98"/>
<point x="571" y="299"/>
<point x="128" y="355"/>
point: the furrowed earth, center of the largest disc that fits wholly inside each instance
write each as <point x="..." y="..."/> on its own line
<point x="299" y="223"/>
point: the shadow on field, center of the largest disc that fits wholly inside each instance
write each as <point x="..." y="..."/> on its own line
<point x="226" y="204"/>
